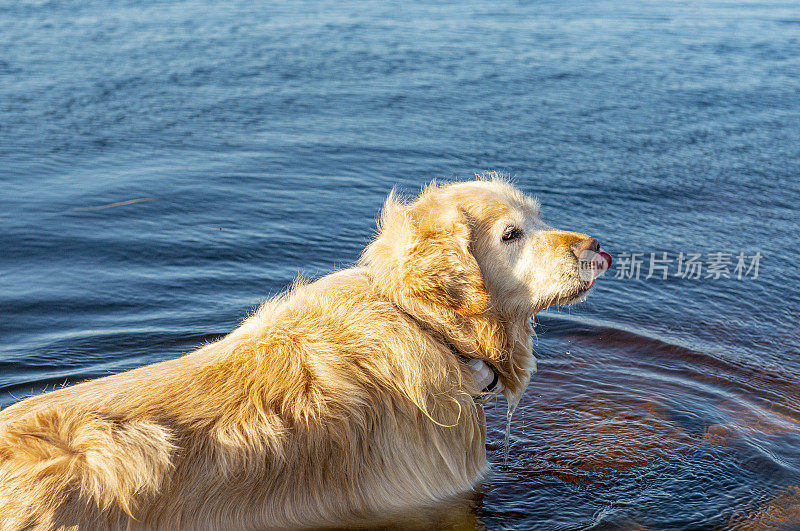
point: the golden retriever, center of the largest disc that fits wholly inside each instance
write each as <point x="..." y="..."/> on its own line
<point x="336" y="403"/>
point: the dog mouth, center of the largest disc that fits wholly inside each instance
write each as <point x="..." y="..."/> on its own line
<point x="591" y="266"/>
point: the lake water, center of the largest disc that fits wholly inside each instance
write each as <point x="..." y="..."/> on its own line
<point x="166" y="167"/>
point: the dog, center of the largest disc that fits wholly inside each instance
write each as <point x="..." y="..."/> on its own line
<point x="336" y="403"/>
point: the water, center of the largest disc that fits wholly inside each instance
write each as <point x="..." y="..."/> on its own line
<point x="244" y="143"/>
<point x="510" y="407"/>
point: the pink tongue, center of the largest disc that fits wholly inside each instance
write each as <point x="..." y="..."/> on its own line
<point x="607" y="258"/>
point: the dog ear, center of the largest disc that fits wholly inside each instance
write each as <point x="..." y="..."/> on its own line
<point x="422" y="253"/>
<point x="439" y="264"/>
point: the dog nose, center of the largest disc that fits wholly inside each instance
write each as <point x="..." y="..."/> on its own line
<point x="586" y="244"/>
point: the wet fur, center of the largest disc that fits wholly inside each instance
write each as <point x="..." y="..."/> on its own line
<point x="339" y="402"/>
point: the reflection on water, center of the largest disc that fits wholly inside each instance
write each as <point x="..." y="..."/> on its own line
<point x="632" y="430"/>
<point x="781" y="512"/>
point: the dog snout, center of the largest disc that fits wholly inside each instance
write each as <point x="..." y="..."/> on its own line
<point x="585" y="244"/>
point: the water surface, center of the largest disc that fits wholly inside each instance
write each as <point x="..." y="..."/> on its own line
<point x="241" y="144"/>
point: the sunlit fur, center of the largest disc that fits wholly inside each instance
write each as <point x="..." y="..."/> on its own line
<point x="340" y="402"/>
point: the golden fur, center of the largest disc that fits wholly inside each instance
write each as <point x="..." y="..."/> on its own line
<point x="337" y="403"/>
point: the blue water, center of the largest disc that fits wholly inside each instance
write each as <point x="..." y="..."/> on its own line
<point x="252" y="142"/>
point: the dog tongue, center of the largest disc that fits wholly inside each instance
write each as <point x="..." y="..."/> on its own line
<point x="606" y="257"/>
<point x="607" y="260"/>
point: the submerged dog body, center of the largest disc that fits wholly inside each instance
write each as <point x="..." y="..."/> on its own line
<point x="339" y="402"/>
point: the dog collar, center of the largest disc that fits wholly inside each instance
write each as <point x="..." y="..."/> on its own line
<point x="483" y="374"/>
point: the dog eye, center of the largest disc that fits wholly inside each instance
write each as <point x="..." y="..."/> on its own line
<point x="511" y="234"/>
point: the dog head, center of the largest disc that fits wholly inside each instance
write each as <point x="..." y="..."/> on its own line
<point x="480" y="246"/>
